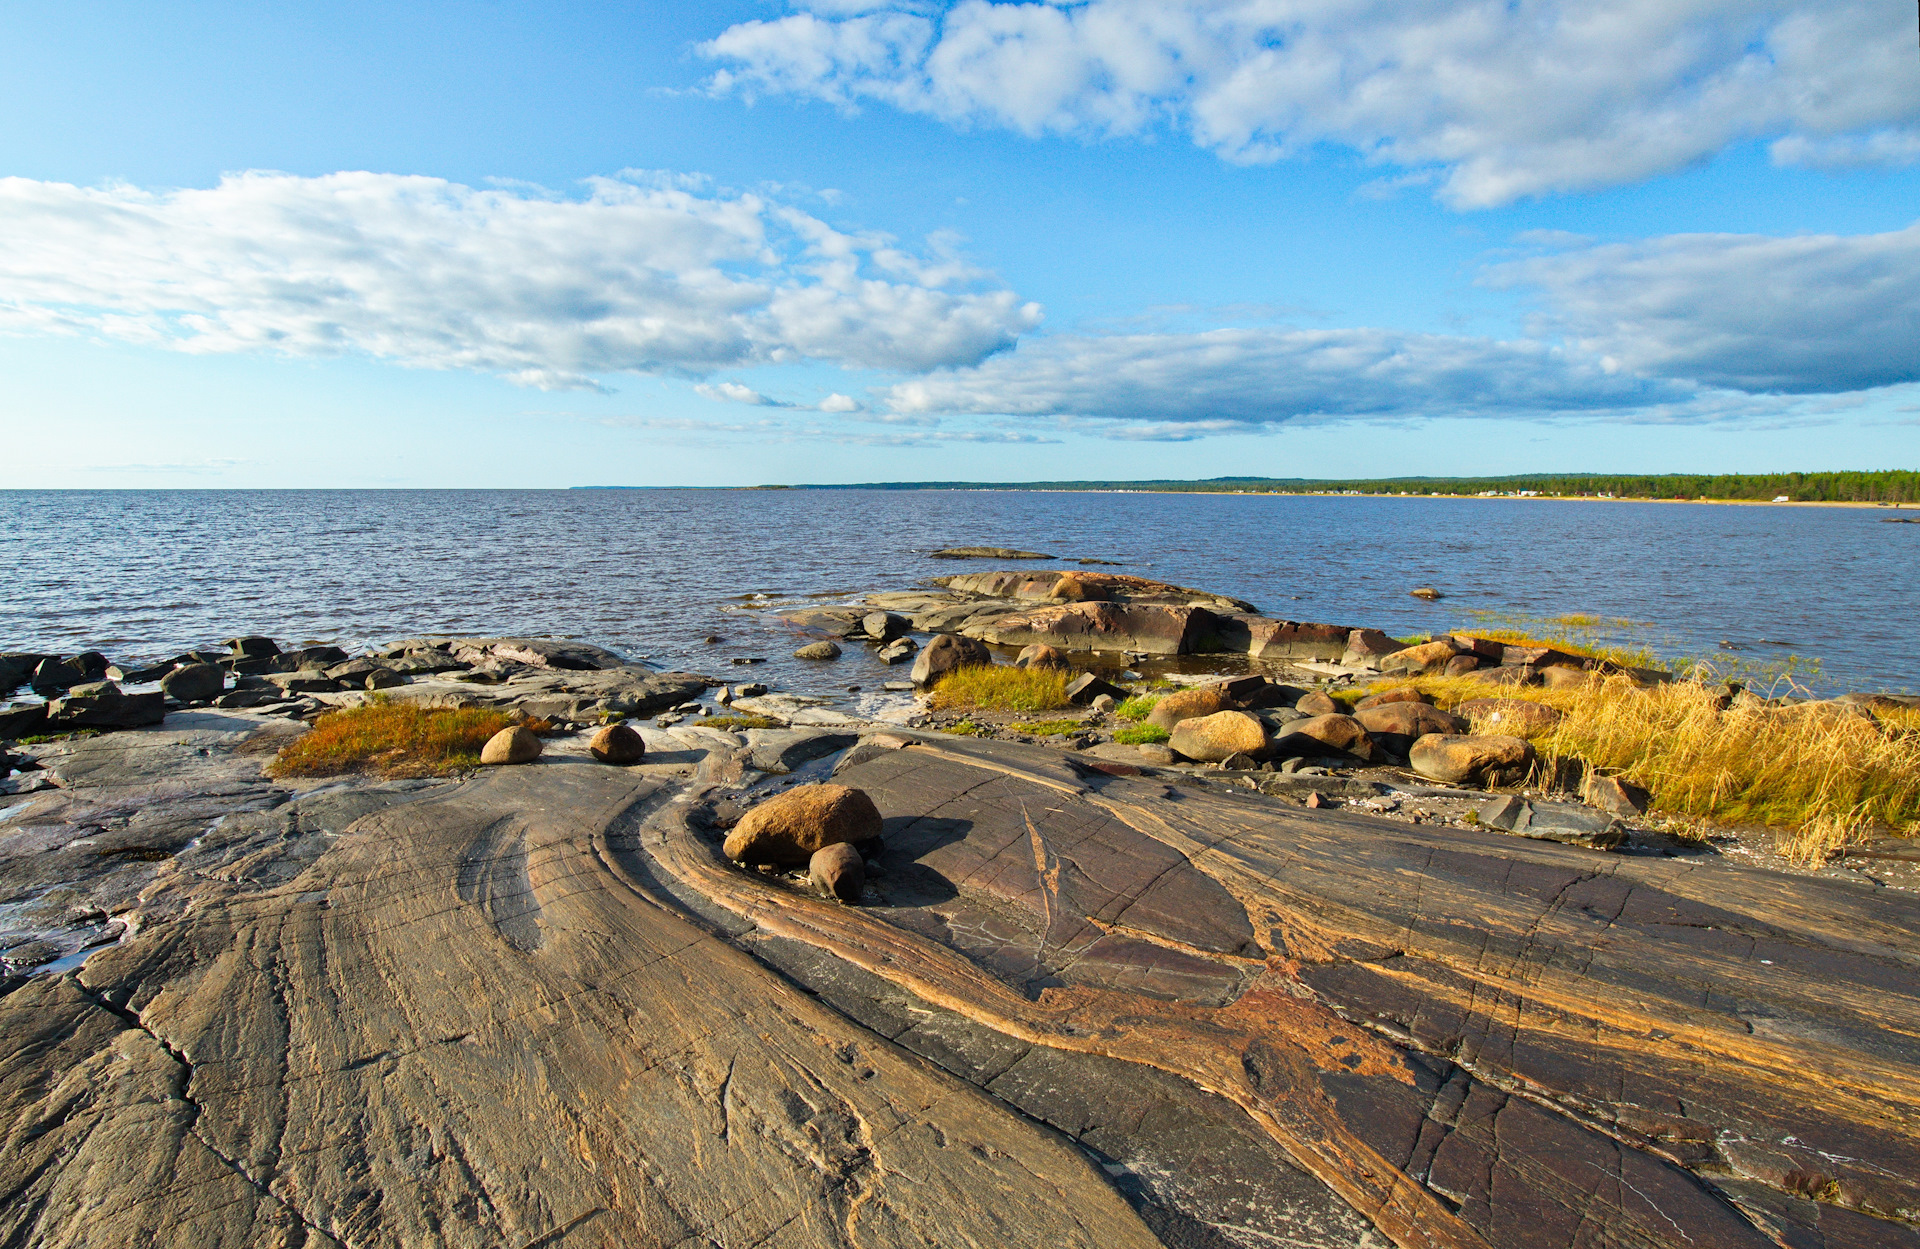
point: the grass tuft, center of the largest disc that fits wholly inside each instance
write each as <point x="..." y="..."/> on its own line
<point x="986" y="687"/>
<point x="1141" y="735"/>
<point x="1823" y="774"/>
<point x="1049" y="728"/>
<point x="964" y="728"/>
<point x="1136" y="707"/>
<point x="737" y="722"/>
<point x="391" y="739"/>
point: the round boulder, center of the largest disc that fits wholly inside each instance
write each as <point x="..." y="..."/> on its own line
<point x="513" y="744"/>
<point x="1201" y="700"/>
<point x="383" y="679"/>
<point x="1516" y="717"/>
<point x="818" y="650"/>
<point x="1454" y="758"/>
<point x="946" y="652"/>
<point x="1567" y="677"/>
<point x="1426" y="657"/>
<point x="194" y="683"/>
<point x="1396" y="726"/>
<point x="1325" y="735"/>
<point x="1461" y="665"/>
<point x="839" y="870"/>
<point x="617" y="743"/>
<point x="884" y="626"/>
<point x="1316" y="703"/>
<point x="787" y="828"/>
<point x="1040" y="655"/>
<point x="1403" y="694"/>
<point x="1211" y="739"/>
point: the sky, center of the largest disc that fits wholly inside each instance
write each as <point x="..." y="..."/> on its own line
<point x="710" y="244"/>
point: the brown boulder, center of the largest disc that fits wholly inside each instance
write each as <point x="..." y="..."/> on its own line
<point x="1325" y="735"/>
<point x="839" y="870"/>
<point x="1400" y="694"/>
<point x="1461" y="665"/>
<point x="1264" y="638"/>
<point x="1201" y="700"/>
<point x="1211" y="739"/>
<point x="513" y="744"/>
<point x="1316" y="704"/>
<point x="1507" y="674"/>
<point x="1615" y="796"/>
<point x="1426" y="657"/>
<point x="946" y="652"/>
<point x="1367" y="647"/>
<point x="1040" y="655"/>
<point x="787" y="828"/>
<point x="1454" y="758"/>
<point x="1567" y="676"/>
<point x="1397" y="726"/>
<point x="1515" y="716"/>
<point x="619" y="744"/>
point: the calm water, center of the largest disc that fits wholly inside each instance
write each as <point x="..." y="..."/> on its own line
<point x="145" y="574"/>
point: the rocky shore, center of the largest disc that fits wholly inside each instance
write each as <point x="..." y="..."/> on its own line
<point x="711" y="963"/>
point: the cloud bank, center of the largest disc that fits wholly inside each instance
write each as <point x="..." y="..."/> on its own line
<point x="1498" y="99"/>
<point x="642" y="276"/>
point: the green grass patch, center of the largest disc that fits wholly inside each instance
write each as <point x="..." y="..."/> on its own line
<point x="965" y="728"/>
<point x="41" y="739"/>
<point x="737" y="722"/>
<point x="1141" y="735"/>
<point x="1136" y="707"/>
<point x="1050" y="728"/>
<point x="391" y="739"/>
<point x="985" y="687"/>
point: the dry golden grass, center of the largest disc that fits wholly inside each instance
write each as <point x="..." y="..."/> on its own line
<point x="984" y="687"/>
<point x="1822" y="773"/>
<point x="391" y="739"/>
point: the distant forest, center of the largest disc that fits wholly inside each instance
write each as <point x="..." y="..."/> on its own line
<point x="1890" y="486"/>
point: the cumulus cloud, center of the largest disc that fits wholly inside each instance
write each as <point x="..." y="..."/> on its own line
<point x="1811" y="314"/>
<point x="1260" y="376"/>
<point x="1503" y="99"/>
<point x="643" y="275"/>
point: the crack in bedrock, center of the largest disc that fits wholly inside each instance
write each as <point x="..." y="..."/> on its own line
<point x="184" y="1092"/>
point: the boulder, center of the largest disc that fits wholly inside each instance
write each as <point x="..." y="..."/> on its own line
<point x="897" y="652"/>
<point x="1426" y="592"/>
<point x="1216" y="737"/>
<point x="1316" y="704"/>
<point x="1516" y="717"/>
<point x="94" y="689"/>
<point x="1461" y="665"/>
<point x="986" y="552"/>
<point x="884" y="626"/>
<point x="514" y="744"/>
<point x="92" y="665"/>
<point x="195" y="683"/>
<point x="1143" y="628"/>
<point x="423" y="661"/>
<point x="1455" y="758"/>
<point x="788" y="828"/>
<point x="304" y="681"/>
<point x="1507" y="674"/>
<point x="1040" y="655"/>
<point x="1087" y="587"/>
<point x="16" y="667"/>
<point x="1367" y="647"/>
<point x="55" y="676"/>
<point x="1426" y="657"/>
<point x="1489" y="652"/>
<point x="1400" y="694"/>
<point x="106" y="710"/>
<point x="946" y="652"/>
<point x="1554" y="821"/>
<point x="252" y="647"/>
<point x="18" y="721"/>
<point x="1084" y="689"/>
<point x="1396" y="726"/>
<point x="618" y="744"/>
<point x="384" y="679"/>
<point x="1325" y="735"/>
<point x="1567" y="677"/>
<point x="1103" y="704"/>
<point x="314" y="657"/>
<point x="1615" y="796"/>
<point x="749" y="689"/>
<point x="839" y="870"/>
<point x="818" y="650"/>
<point x="1263" y="638"/>
<point x="1200" y="700"/>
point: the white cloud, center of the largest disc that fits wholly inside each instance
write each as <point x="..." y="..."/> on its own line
<point x="1803" y="315"/>
<point x="1506" y="98"/>
<point x="734" y="392"/>
<point x="841" y="403"/>
<point x="1259" y="376"/>
<point x="643" y="275"/>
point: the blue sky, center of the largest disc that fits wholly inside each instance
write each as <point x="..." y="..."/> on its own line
<point x="549" y="245"/>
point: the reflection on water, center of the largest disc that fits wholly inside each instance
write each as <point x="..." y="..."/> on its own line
<point x="144" y="574"/>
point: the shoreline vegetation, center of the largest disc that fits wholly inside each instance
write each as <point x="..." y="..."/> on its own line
<point x="1884" y="488"/>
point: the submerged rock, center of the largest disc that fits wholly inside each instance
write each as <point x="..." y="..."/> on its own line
<point x="818" y="650"/>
